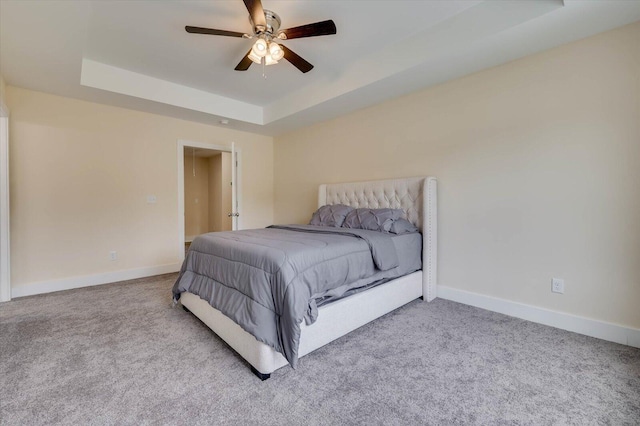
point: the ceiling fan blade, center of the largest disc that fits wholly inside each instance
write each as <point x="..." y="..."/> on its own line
<point x="245" y="63"/>
<point x="256" y="12"/>
<point x="211" y="31"/>
<point x="309" y="30"/>
<point x="296" y="60"/>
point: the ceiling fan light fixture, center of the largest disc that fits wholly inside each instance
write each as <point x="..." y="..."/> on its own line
<point x="269" y="60"/>
<point x="275" y="51"/>
<point x="267" y="33"/>
<point x="260" y="48"/>
<point x="255" y="58"/>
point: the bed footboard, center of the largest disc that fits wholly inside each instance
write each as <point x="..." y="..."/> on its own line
<point x="334" y="320"/>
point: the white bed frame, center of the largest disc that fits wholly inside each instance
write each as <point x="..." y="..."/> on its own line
<point x="417" y="197"/>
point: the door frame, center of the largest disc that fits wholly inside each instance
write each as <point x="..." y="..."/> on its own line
<point x="236" y="189"/>
<point x="5" y="240"/>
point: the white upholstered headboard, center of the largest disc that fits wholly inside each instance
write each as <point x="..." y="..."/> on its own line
<point x="416" y="196"/>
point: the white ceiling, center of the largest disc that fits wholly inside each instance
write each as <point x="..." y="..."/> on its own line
<point x="136" y="54"/>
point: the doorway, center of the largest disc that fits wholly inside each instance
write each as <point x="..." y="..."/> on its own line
<point x="208" y="190"/>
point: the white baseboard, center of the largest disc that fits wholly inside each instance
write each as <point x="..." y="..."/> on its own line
<point x="589" y="327"/>
<point x="91" y="280"/>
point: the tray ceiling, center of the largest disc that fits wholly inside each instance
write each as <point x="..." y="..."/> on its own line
<point x="136" y="54"/>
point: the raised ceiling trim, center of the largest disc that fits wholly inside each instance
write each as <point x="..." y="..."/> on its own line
<point x="106" y="77"/>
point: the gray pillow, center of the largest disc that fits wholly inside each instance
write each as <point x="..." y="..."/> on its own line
<point x="372" y="219"/>
<point x="403" y="226"/>
<point x="330" y="215"/>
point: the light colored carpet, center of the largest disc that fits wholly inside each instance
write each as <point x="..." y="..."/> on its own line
<point x="121" y="354"/>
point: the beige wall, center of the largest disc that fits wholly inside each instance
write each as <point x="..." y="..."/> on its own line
<point x="538" y="163"/>
<point x="3" y="89"/>
<point x="196" y="195"/>
<point x="80" y="174"/>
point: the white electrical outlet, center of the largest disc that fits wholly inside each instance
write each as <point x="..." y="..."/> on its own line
<point x="113" y="255"/>
<point x="557" y="285"/>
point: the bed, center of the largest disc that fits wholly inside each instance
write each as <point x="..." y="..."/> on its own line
<point x="417" y="198"/>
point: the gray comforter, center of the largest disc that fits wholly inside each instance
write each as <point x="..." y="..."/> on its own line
<point x="267" y="280"/>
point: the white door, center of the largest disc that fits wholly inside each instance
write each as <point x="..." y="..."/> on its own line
<point x="234" y="213"/>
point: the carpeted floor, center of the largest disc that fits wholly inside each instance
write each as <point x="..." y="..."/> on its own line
<point x="121" y="354"/>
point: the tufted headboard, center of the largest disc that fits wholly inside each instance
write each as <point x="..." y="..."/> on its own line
<point x="416" y="196"/>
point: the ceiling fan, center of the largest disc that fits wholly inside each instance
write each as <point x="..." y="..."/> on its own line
<point x="266" y="30"/>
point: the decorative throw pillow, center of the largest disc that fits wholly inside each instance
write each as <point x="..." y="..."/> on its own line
<point x="403" y="226"/>
<point x="372" y="219"/>
<point x="330" y="215"/>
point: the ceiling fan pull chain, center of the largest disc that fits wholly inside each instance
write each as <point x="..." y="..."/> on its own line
<point x="264" y="65"/>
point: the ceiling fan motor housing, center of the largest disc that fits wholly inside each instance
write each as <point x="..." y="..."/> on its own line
<point x="273" y="24"/>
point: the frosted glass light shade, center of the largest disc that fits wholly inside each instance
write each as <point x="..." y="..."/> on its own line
<point x="269" y="60"/>
<point x="276" y="51"/>
<point x="255" y="58"/>
<point x="260" y="48"/>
